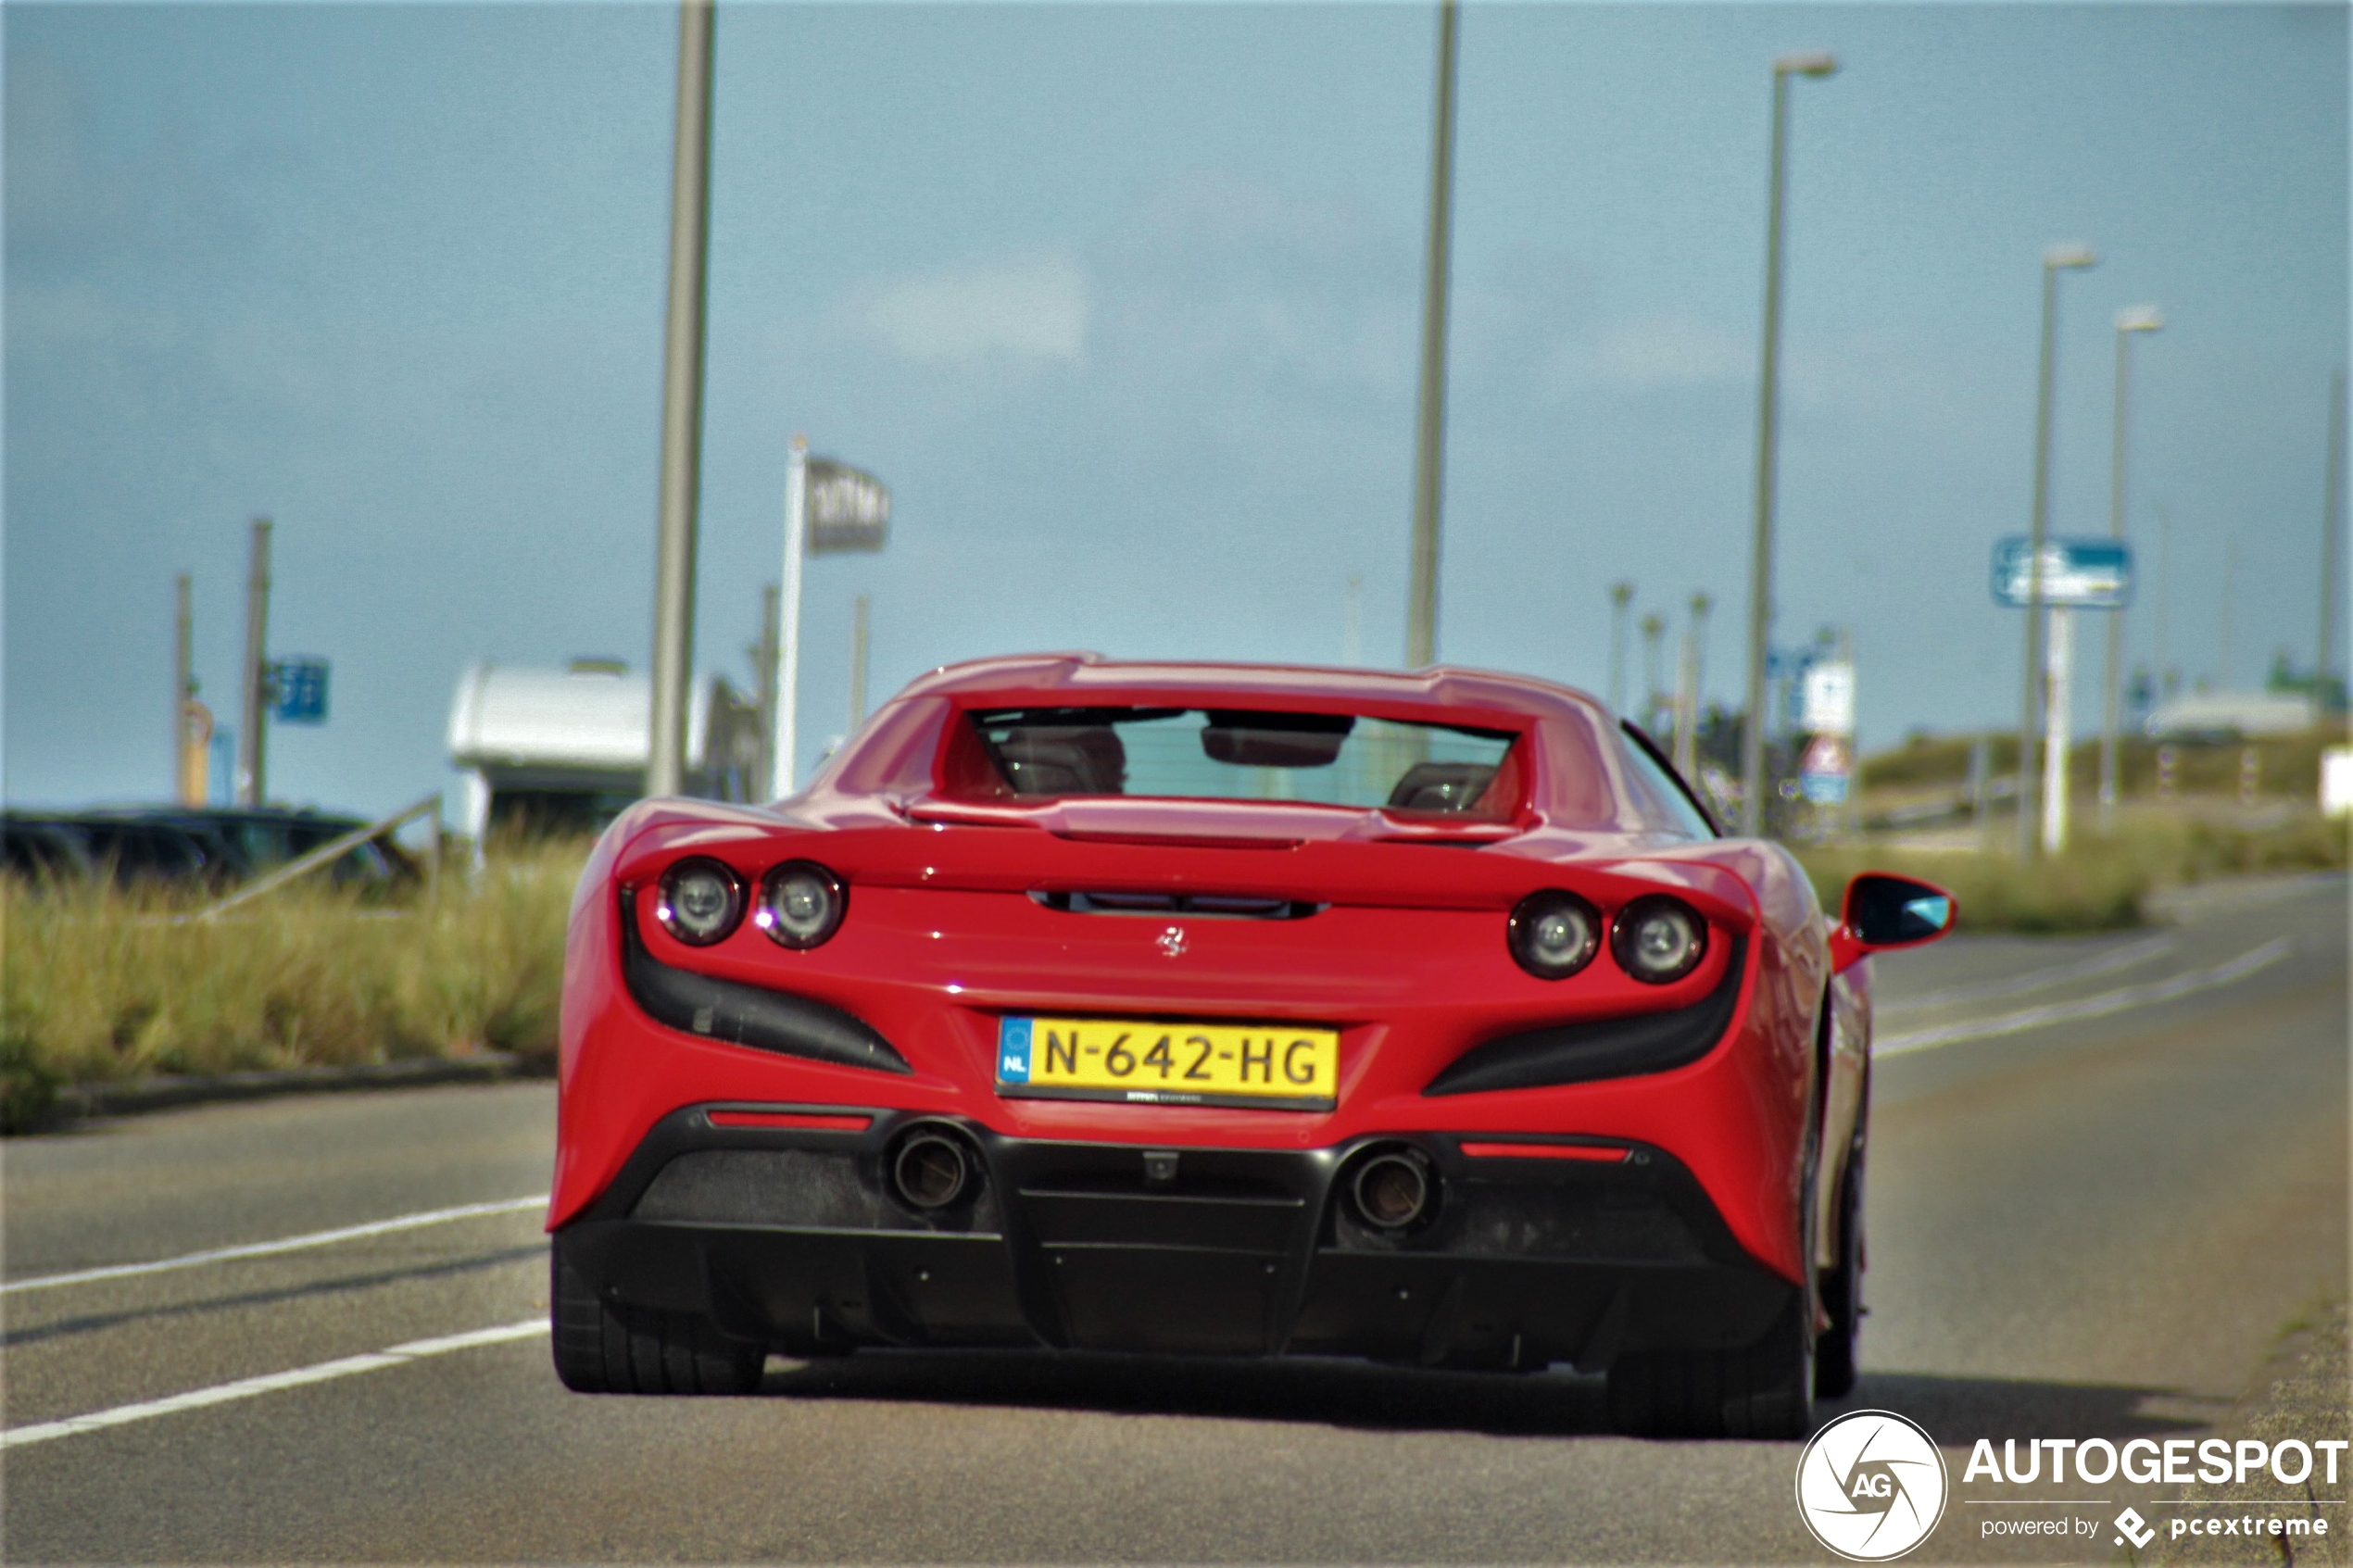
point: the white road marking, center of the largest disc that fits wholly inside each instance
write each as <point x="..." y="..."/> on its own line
<point x="247" y="1388"/>
<point x="268" y="1248"/>
<point x="2099" y="1006"/>
<point x="2033" y="980"/>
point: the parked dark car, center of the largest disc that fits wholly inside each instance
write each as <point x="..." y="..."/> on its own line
<point x="219" y="847"/>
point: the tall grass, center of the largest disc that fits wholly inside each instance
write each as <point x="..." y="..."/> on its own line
<point x="98" y="984"/>
<point x="2102" y="881"/>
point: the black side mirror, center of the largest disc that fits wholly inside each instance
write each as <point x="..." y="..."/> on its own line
<point x="1892" y="910"/>
<point x="1889" y="912"/>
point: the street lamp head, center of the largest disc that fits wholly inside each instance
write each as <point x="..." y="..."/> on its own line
<point x="2140" y="319"/>
<point x="1816" y="63"/>
<point x="2070" y="256"/>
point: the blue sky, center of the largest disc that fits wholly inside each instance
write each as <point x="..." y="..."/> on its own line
<point x="1121" y="301"/>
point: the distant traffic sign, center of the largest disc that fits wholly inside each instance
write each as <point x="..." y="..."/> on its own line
<point x="1823" y="771"/>
<point x="849" y="508"/>
<point x="298" y="691"/>
<point x="2083" y="574"/>
<point x="1828" y="705"/>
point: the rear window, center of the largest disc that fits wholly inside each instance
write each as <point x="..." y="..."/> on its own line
<point x="1235" y="754"/>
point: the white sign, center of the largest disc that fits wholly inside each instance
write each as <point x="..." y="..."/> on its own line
<point x="2088" y="573"/>
<point x="1828" y="705"/>
<point x="2336" y="781"/>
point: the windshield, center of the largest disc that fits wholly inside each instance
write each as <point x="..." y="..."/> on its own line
<point x="1222" y="754"/>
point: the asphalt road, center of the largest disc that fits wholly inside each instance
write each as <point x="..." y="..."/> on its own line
<point x="2106" y="1175"/>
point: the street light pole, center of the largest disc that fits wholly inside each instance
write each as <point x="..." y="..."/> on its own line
<point x="681" y="406"/>
<point x="1760" y="564"/>
<point x="1429" y="424"/>
<point x="2139" y="318"/>
<point x="858" y="640"/>
<point x="1621" y="595"/>
<point x="182" y="687"/>
<point x="253" y="699"/>
<point x="1687" y="688"/>
<point x="2331" y="528"/>
<point x="2057" y="259"/>
<point x="1653" y="628"/>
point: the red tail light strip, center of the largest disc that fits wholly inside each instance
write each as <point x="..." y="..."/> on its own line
<point x="801" y="1121"/>
<point x="1545" y="1151"/>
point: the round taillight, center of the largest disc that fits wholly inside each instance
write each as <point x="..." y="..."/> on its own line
<point x="701" y="901"/>
<point x="1658" y="939"/>
<point x="1554" y="934"/>
<point x="801" y="903"/>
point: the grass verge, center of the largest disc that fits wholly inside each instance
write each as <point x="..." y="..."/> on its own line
<point x="2101" y="882"/>
<point x="98" y="984"/>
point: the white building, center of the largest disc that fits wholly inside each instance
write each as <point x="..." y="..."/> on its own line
<point x="2229" y="716"/>
<point x="565" y="750"/>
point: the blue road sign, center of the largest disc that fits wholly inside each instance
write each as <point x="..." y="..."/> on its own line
<point x="298" y="691"/>
<point x="2081" y="573"/>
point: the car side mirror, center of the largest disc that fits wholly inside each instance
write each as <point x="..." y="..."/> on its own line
<point x="1884" y="911"/>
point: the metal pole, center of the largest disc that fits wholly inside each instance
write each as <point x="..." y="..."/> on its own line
<point x="2230" y="590"/>
<point x="2059" y="728"/>
<point x="2029" y="706"/>
<point x="1686" y="752"/>
<point x="1429" y="423"/>
<point x="2164" y="596"/>
<point x="682" y="405"/>
<point x="183" y="688"/>
<point x="1621" y="595"/>
<point x="2141" y="319"/>
<point x="857" y="642"/>
<point x="1980" y="766"/>
<point x="1653" y="628"/>
<point x="1701" y="605"/>
<point x="253" y="786"/>
<point x="1761" y="561"/>
<point x="763" y="663"/>
<point x="2332" y="528"/>
<point x="2030" y="689"/>
<point x="2112" y="667"/>
<point x="788" y="734"/>
<point x="1851" y="812"/>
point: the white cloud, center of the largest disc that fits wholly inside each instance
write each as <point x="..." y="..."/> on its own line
<point x="1673" y="351"/>
<point x="1033" y="307"/>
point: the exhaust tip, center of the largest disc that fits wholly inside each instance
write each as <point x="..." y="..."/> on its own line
<point x="931" y="1170"/>
<point x="1394" y="1190"/>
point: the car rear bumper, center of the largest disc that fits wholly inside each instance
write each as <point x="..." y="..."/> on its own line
<point x="1566" y="1250"/>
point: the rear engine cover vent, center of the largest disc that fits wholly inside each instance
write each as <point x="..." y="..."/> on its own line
<point x="1233" y="905"/>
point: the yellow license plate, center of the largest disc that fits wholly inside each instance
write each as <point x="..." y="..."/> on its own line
<point x="1250" y="1064"/>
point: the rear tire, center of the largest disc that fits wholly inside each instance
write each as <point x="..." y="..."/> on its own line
<point x="1763" y="1391"/>
<point x="604" y="1347"/>
<point x="1838" y="1355"/>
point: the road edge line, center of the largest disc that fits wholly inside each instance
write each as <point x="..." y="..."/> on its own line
<point x="2100" y="1006"/>
<point x="271" y="1249"/>
<point x="268" y="1383"/>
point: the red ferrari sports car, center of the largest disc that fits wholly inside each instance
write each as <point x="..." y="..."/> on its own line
<point x="1223" y="1010"/>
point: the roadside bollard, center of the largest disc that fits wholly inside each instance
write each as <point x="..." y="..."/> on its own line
<point x="2165" y="772"/>
<point x="2250" y="774"/>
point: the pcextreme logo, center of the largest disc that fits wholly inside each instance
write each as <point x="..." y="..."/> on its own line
<point x="1870" y="1486"/>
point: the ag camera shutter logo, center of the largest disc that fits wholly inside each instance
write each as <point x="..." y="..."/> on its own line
<point x="1871" y="1485"/>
